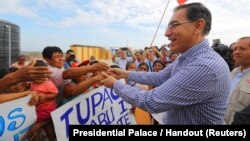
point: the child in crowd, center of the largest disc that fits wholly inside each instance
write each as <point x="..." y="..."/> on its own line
<point x="158" y="66"/>
<point x="143" y="67"/>
<point x="142" y="117"/>
<point x="130" y="66"/>
<point x="47" y="92"/>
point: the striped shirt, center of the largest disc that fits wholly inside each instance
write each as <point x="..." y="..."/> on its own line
<point x="192" y="90"/>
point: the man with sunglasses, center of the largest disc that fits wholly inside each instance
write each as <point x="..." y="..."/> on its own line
<point x="20" y="62"/>
<point x="194" y="89"/>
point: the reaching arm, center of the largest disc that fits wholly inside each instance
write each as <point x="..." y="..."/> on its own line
<point x="7" y="81"/>
<point x="144" y="56"/>
<point x="12" y="96"/>
<point x="156" y="51"/>
<point x="185" y="88"/>
<point x="71" y="90"/>
<point x="74" y="73"/>
<point x="133" y="55"/>
<point x="47" y="97"/>
<point x="151" y="78"/>
<point x="27" y="73"/>
<point x="115" y="55"/>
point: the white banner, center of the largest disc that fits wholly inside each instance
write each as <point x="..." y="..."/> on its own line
<point x="16" y="117"/>
<point x="98" y="107"/>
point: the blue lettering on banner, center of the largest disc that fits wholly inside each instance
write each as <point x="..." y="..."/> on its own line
<point x="122" y="106"/>
<point x="106" y="97"/>
<point x="16" y="136"/>
<point x="113" y="95"/>
<point x="105" y="118"/>
<point x="13" y="125"/>
<point x="66" y="117"/>
<point x="16" y="120"/>
<point x="124" y="120"/>
<point x="2" y="126"/>
<point x="95" y="102"/>
<point x="79" y="117"/>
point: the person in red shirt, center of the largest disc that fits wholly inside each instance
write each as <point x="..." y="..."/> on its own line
<point x="47" y="92"/>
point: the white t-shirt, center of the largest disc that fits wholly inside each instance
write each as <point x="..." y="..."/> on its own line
<point x="57" y="78"/>
<point x="122" y="62"/>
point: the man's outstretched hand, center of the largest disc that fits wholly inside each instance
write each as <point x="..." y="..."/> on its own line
<point x="108" y="80"/>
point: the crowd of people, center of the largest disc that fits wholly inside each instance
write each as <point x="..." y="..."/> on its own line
<point x="188" y="84"/>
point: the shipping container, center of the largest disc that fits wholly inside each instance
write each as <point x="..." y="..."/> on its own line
<point x="83" y="52"/>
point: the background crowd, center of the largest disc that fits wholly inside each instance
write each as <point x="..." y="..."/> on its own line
<point x="184" y="82"/>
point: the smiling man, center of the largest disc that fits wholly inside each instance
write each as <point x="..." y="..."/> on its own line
<point x="194" y="89"/>
<point x="60" y="77"/>
<point x="240" y="83"/>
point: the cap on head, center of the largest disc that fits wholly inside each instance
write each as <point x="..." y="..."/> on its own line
<point x="84" y="63"/>
<point x="77" y="64"/>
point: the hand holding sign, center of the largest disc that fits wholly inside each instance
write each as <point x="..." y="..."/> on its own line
<point x="34" y="99"/>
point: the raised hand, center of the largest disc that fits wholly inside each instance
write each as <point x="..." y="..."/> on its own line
<point x="30" y="73"/>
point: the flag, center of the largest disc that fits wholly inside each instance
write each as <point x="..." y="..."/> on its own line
<point x="181" y="1"/>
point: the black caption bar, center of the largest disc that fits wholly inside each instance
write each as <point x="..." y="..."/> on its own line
<point x="197" y="132"/>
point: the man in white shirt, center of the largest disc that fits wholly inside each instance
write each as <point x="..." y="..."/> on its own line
<point x="123" y="59"/>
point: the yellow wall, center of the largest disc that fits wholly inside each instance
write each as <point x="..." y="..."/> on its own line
<point x="83" y="52"/>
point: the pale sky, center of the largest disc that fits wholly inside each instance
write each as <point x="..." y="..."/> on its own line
<point x="113" y="23"/>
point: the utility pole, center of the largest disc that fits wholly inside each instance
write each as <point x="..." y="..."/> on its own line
<point x="127" y="42"/>
<point x="9" y="27"/>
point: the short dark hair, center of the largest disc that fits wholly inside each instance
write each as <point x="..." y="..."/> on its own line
<point x="12" y="69"/>
<point x="114" y="66"/>
<point x="128" y="64"/>
<point x="49" y="50"/>
<point x="40" y="63"/>
<point x="231" y="45"/>
<point x="158" y="61"/>
<point x="93" y="62"/>
<point x="197" y="11"/>
<point x="145" y="64"/>
<point x="246" y="38"/>
<point x="137" y="52"/>
<point x="173" y="53"/>
<point x="5" y="71"/>
<point x="70" y="50"/>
